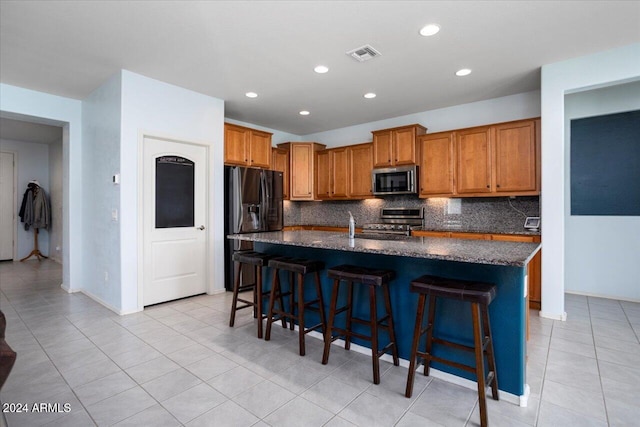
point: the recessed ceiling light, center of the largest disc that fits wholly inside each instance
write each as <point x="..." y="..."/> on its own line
<point x="429" y="30"/>
<point x="369" y="95"/>
<point x="321" y="69"/>
<point x="463" y="72"/>
<point x="251" y="95"/>
<point x="304" y="113"/>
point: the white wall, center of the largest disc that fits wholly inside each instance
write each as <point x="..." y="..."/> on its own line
<point x="101" y="112"/>
<point x="277" y="137"/>
<point x="32" y="162"/>
<point x="56" y="170"/>
<point x="514" y="107"/>
<point x="156" y="108"/>
<point x="601" y="252"/>
<point x="588" y="72"/>
<point x="22" y="103"/>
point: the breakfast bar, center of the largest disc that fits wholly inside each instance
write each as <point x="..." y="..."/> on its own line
<point x="501" y="263"/>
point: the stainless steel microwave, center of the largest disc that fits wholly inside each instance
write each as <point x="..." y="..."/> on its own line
<point x="398" y="180"/>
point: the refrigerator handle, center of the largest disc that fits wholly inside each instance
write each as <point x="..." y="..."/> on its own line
<point x="264" y="201"/>
<point x="237" y="195"/>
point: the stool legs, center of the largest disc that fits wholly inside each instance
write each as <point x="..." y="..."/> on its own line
<point x="236" y="289"/>
<point x="478" y="339"/>
<point x="332" y="316"/>
<point x="297" y="306"/>
<point x="493" y="378"/>
<point x="417" y="333"/>
<point x="390" y="327"/>
<point x="430" y="320"/>
<point x="373" y="322"/>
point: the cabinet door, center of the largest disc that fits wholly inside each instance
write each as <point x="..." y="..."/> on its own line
<point x="260" y="149"/>
<point x="515" y="157"/>
<point x="473" y="160"/>
<point x="323" y="174"/>
<point x="280" y="162"/>
<point x="339" y="168"/>
<point x="404" y="147"/>
<point x="236" y="142"/>
<point x="436" y="165"/>
<point x="301" y="167"/>
<point x="360" y="165"/>
<point x="382" y="151"/>
<point x="534" y="269"/>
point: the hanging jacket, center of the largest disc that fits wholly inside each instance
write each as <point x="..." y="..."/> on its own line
<point x="41" y="215"/>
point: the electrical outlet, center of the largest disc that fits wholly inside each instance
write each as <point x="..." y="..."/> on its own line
<point x="114" y="215"/>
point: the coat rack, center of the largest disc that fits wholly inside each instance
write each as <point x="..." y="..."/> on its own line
<point x="34" y="219"/>
<point x="35" y="252"/>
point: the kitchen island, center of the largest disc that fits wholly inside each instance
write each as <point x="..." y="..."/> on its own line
<point x="501" y="263"/>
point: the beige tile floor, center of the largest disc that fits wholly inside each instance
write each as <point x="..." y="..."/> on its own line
<point x="180" y="364"/>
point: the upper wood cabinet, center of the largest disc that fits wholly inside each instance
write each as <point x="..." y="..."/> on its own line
<point x="280" y="162"/>
<point x="497" y="160"/>
<point x="246" y="147"/>
<point x="515" y="157"/>
<point x="473" y="160"/>
<point x="301" y="168"/>
<point x="332" y="173"/>
<point x="436" y="164"/>
<point x="360" y="160"/>
<point x="396" y="146"/>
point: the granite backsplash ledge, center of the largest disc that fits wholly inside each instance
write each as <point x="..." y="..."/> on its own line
<point x="474" y="214"/>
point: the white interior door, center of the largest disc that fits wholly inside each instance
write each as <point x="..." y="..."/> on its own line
<point x="7" y="208"/>
<point x="175" y="212"/>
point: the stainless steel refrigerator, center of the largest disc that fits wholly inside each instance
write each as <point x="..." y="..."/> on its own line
<point x="252" y="203"/>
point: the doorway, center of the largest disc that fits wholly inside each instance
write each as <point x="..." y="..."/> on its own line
<point x="175" y="235"/>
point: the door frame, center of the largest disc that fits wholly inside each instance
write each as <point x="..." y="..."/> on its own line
<point x="14" y="221"/>
<point x="142" y="135"/>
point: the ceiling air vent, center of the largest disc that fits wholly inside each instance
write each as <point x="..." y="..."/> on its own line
<point x="363" y="53"/>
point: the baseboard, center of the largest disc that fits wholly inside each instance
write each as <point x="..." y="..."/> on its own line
<point x="588" y="294"/>
<point x="554" y="316"/>
<point x="522" y="400"/>
<point x="106" y="304"/>
<point x="68" y="289"/>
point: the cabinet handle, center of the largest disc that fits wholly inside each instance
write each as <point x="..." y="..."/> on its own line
<point x="488" y="186"/>
<point x="498" y="185"/>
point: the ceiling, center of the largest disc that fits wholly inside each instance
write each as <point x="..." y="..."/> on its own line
<point x="227" y="48"/>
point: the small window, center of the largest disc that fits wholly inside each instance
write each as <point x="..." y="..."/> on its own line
<point x="174" y="192"/>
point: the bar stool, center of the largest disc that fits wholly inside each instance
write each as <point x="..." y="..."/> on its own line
<point x="258" y="260"/>
<point x="480" y="296"/>
<point x="296" y="267"/>
<point x="374" y="278"/>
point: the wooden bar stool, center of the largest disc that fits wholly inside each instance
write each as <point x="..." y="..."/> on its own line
<point x="297" y="267"/>
<point x="480" y="296"/>
<point x="258" y="260"/>
<point x="374" y="278"/>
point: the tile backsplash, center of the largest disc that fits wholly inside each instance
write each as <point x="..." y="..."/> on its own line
<point x="480" y="214"/>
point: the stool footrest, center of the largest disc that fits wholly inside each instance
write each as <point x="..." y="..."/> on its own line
<point x="385" y="349"/>
<point x="433" y="358"/>
<point x="246" y="288"/>
<point x="247" y="304"/>
<point x="453" y="344"/>
<point x="345" y="333"/>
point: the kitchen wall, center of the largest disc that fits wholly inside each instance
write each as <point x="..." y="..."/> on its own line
<point x="101" y="112"/>
<point x="515" y="107"/>
<point x="152" y="107"/>
<point x="32" y="162"/>
<point x="277" y="137"/>
<point x="479" y="214"/>
<point x="601" y="252"/>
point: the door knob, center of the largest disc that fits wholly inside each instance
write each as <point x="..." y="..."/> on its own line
<point x="201" y="227"/>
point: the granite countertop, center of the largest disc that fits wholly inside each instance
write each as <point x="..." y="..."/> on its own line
<point x="470" y="251"/>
